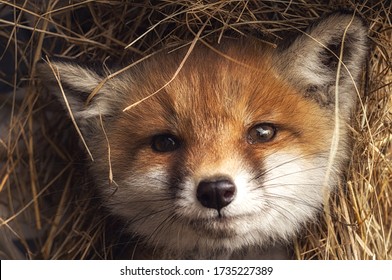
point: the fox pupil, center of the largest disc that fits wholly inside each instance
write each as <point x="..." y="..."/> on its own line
<point x="261" y="133"/>
<point x="164" y="143"/>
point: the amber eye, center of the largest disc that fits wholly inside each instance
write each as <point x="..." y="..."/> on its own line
<point x="164" y="143"/>
<point x="261" y="133"/>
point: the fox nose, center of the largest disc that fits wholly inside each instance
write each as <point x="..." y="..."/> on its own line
<point x="216" y="194"/>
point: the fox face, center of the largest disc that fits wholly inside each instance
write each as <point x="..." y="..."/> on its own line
<point x="214" y="150"/>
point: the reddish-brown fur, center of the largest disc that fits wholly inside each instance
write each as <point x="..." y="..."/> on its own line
<point x="211" y="104"/>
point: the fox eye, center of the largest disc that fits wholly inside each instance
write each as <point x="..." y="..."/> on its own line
<point x="165" y="143"/>
<point x="261" y="133"/>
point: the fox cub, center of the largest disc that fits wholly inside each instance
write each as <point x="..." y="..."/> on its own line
<point x="227" y="152"/>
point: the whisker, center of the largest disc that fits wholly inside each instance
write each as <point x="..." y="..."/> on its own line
<point x="264" y="172"/>
<point x="286" y="174"/>
<point x="272" y="197"/>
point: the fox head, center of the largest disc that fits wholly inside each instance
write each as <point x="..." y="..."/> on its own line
<point x="227" y="149"/>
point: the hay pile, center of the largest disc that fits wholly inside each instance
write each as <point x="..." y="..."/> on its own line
<point x="47" y="214"/>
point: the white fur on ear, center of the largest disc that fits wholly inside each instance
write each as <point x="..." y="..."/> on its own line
<point x="73" y="84"/>
<point x="311" y="60"/>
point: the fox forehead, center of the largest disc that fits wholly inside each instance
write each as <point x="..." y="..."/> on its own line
<point x="214" y="100"/>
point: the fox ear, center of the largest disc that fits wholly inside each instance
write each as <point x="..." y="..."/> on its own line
<point x="313" y="57"/>
<point x="72" y="84"/>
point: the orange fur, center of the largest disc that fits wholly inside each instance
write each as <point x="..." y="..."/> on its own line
<point x="221" y="103"/>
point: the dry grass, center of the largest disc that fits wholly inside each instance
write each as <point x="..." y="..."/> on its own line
<point x="53" y="216"/>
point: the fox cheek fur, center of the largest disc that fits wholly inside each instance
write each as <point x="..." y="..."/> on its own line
<point x="235" y="152"/>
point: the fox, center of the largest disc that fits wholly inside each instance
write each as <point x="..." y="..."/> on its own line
<point x="219" y="150"/>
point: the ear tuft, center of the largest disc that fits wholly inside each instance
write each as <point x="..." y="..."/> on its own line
<point x="77" y="83"/>
<point x="311" y="61"/>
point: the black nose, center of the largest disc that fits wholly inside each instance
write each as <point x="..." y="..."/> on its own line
<point x="216" y="194"/>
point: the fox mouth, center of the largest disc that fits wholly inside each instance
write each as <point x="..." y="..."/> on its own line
<point x="219" y="227"/>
